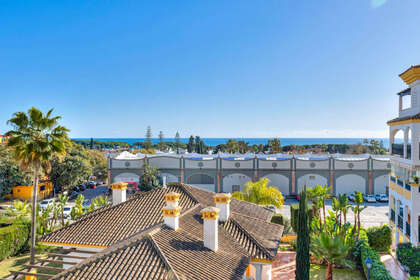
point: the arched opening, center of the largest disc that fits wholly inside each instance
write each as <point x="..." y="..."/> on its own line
<point x="235" y="182"/>
<point x="202" y="180"/>
<point x="311" y="180"/>
<point x="349" y="184"/>
<point x="279" y="181"/>
<point x="381" y="184"/>
<point x="397" y="142"/>
<point x="170" y="178"/>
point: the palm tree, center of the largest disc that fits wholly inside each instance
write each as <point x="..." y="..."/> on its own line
<point x="260" y="193"/>
<point x="20" y="210"/>
<point x="357" y="209"/>
<point x="101" y="201"/>
<point x="330" y="249"/>
<point x="35" y="138"/>
<point x="318" y="195"/>
<point x="62" y="201"/>
<point x="77" y="209"/>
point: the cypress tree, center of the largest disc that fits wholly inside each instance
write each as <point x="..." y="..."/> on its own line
<point x="302" y="242"/>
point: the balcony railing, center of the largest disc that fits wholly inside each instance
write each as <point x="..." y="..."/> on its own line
<point x="400" y="222"/>
<point x="400" y="183"/>
<point x="407" y="229"/>
<point x="393" y="179"/>
<point x="393" y="215"/>
<point x="408" y="187"/>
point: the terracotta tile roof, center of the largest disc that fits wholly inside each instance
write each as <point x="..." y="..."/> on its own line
<point x="159" y="252"/>
<point x="413" y="117"/>
<point x="115" y="223"/>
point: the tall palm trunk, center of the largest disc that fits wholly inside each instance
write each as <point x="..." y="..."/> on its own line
<point x="358" y="224"/>
<point x="329" y="275"/>
<point x="33" y="225"/>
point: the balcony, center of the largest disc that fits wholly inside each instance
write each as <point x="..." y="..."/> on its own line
<point x="407" y="229"/>
<point x="400" y="222"/>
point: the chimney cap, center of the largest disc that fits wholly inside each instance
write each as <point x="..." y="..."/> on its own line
<point x="172" y="196"/>
<point x="222" y="198"/>
<point x="119" y="186"/>
<point x="171" y="211"/>
<point x="210" y="213"/>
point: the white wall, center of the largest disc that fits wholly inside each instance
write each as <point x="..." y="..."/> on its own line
<point x="137" y="164"/>
<point x="164" y="162"/>
<point x="311" y="180"/>
<point x="279" y="181"/>
<point x="170" y="178"/>
<point x="350" y="183"/>
<point x="235" y="179"/>
<point x="127" y="177"/>
<point x="381" y="183"/>
<point x="243" y="164"/>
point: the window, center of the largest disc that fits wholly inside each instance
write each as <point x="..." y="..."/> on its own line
<point x="42" y="188"/>
<point x="236" y="188"/>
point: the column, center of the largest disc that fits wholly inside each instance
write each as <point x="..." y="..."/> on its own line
<point x="219" y="179"/>
<point x="400" y="103"/>
<point x="293" y="182"/>
<point x="370" y="182"/>
<point x="405" y="142"/>
<point x="267" y="271"/>
<point x="182" y="165"/>
<point x="258" y="271"/>
<point x="391" y="140"/>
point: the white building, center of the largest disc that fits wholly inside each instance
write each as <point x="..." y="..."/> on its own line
<point x="404" y="192"/>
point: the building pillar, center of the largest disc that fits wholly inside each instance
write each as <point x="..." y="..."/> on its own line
<point x="258" y="271"/>
<point x="370" y="182"/>
<point x="293" y="182"/>
<point x="268" y="271"/>
<point x="406" y="130"/>
<point x="332" y="181"/>
<point x="219" y="180"/>
<point x="256" y="177"/>
<point x="182" y="176"/>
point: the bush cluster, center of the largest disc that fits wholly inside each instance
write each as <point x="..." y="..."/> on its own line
<point x="378" y="270"/>
<point x="410" y="257"/>
<point x="380" y="238"/>
<point x="14" y="239"/>
<point x="279" y="219"/>
<point x="294" y="214"/>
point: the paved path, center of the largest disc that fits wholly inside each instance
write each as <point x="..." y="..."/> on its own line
<point x="284" y="265"/>
<point x="394" y="267"/>
<point x="376" y="214"/>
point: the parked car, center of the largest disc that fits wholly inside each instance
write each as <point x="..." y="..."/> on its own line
<point x="82" y="187"/>
<point x="381" y="197"/>
<point x="369" y="198"/>
<point x="44" y="204"/>
<point x="67" y="211"/>
<point x="350" y="196"/>
<point x="76" y="188"/>
<point x="73" y="195"/>
<point x="86" y="203"/>
<point x="92" y="184"/>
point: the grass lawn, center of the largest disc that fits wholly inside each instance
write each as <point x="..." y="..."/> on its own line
<point x="16" y="263"/>
<point x="318" y="272"/>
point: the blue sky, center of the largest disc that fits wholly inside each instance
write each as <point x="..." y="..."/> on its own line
<point x="280" y="68"/>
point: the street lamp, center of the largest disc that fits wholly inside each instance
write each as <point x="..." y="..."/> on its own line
<point x="368" y="263"/>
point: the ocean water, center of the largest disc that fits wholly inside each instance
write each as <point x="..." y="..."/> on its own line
<point x="252" y="141"/>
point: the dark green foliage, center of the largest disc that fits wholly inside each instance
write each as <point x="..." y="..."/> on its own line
<point x="279" y="219"/>
<point x="303" y="240"/>
<point x="10" y="176"/>
<point x="100" y="145"/>
<point x="14" y="239"/>
<point x="294" y="212"/>
<point x="409" y="255"/>
<point x="380" y="238"/>
<point x="378" y="270"/>
<point x="190" y="145"/>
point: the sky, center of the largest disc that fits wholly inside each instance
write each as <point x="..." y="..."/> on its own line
<point x="272" y="68"/>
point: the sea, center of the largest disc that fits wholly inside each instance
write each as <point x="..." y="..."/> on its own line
<point x="257" y="141"/>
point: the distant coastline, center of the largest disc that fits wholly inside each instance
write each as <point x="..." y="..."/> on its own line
<point x="252" y="141"/>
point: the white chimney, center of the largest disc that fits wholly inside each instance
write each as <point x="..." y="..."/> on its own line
<point x="119" y="192"/>
<point x="211" y="225"/>
<point x="222" y="201"/>
<point x="172" y="210"/>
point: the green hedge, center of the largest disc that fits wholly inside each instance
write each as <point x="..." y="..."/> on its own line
<point x="414" y="278"/>
<point x="380" y="238"/>
<point x="410" y="257"/>
<point x="277" y="219"/>
<point x="294" y="214"/>
<point x="378" y="270"/>
<point x="14" y="239"/>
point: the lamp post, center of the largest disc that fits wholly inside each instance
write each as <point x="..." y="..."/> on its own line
<point x="368" y="263"/>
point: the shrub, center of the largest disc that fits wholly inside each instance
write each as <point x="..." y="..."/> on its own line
<point x="380" y="238"/>
<point x="294" y="213"/>
<point x="14" y="239"/>
<point x="409" y="256"/>
<point x="414" y="278"/>
<point x="279" y="219"/>
<point x="378" y="270"/>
